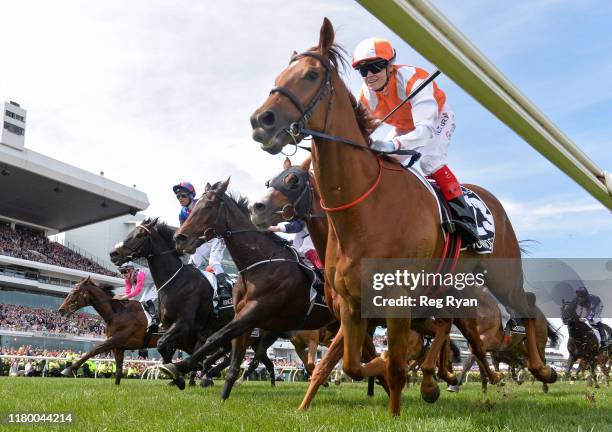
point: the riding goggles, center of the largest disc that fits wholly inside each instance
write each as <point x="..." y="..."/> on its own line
<point x="373" y="67"/>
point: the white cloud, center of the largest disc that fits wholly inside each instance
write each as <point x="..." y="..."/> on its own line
<point x="155" y="92"/>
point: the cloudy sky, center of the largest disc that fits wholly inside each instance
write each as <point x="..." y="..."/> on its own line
<point x="154" y="92"/>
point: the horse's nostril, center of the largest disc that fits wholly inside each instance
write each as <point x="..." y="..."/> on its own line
<point x="259" y="207"/>
<point x="267" y="119"/>
<point x="180" y="238"/>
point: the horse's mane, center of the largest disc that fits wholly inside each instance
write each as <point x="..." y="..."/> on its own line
<point x="241" y="202"/>
<point x="108" y="290"/>
<point x="166" y="232"/>
<point x="339" y="63"/>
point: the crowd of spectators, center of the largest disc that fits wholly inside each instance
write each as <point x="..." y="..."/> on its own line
<point x="280" y="362"/>
<point x="21" y="365"/>
<point x="33" y="245"/>
<point x="24" y="366"/>
<point x="25" y="318"/>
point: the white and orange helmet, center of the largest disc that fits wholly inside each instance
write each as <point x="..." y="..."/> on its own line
<point x="372" y="49"/>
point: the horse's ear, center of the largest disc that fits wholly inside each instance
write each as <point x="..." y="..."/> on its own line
<point x="154" y="221"/>
<point x="326" y="36"/>
<point x="222" y="188"/>
<point x="305" y="166"/>
<point x="286" y="164"/>
<point x="88" y="279"/>
<point x="207" y="188"/>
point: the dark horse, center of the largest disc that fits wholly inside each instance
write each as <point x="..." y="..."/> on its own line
<point x="358" y="187"/>
<point x="185" y="297"/>
<point x="273" y="289"/>
<point x="583" y="344"/>
<point x="126" y="323"/>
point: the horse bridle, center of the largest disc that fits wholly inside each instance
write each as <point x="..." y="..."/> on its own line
<point x="213" y="229"/>
<point x="135" y="252"/>
<point x="298" y="128"/>
<point x="300" y="200"/>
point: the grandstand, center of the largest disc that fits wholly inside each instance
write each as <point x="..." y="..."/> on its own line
<point x="36" y="272"/>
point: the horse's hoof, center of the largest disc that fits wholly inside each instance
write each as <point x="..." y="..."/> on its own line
<point x="171" y="383"/>
<point x="169" y="369"/>
<point x="180" y="383"/>
<point x="431" y="397"/>
<point x="66" y="372"/>
<point x="453" y="388"/>
<point x="207" y="382"/>
<point x="272" y="383"/>
<point x="326" y="384"/>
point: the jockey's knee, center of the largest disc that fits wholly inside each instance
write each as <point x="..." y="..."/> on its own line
<point x="430" y="164"/>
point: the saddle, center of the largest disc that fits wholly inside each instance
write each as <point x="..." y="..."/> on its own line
<point x="515" y="326"/>
<point x="482" y="214"/>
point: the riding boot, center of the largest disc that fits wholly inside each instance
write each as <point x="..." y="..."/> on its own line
<point x="224" y="287"/>
<point x="462" y="216"/>
<point x="317" y="265"/>
<point x="602" y="334"/>
<point x="152" y="310"/>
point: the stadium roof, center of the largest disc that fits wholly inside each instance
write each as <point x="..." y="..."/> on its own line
<point x="38" y="190"/>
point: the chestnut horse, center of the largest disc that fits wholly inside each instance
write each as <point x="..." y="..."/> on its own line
<point x="126" y="324"/>
<point x="376" y="210"/>
<point x="510" y="350"/>
<point x="293" y="195"/>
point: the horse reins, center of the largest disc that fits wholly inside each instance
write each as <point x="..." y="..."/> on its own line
<point x="298" y="128"/>
<point x="228" y="233"/>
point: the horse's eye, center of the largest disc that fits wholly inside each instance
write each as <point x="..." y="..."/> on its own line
<point x="312" y="75"/>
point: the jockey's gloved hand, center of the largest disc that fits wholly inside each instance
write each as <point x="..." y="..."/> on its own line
<point x="384" y="146"/>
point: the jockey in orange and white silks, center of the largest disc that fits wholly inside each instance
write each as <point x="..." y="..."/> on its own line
<point x="425" y="123"/>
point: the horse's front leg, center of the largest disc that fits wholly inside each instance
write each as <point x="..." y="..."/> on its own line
<point x="429" y="388"/>
<point x="117" y="339"/>
<point x="568" y="367"/>
<point x="239" y="346"/>
<point x="323" y="369"/>
<point x="244" y="321"/>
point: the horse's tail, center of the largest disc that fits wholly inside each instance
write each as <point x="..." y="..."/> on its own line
<point x="523" y="246"/>
<point x="553" y="335"/>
